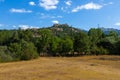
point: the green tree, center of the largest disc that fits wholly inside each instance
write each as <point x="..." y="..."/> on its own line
<point x="16" y="50"/>
<point x="15" y="37"/>
<point x="23" y="50"/>
<point x="28" y="50"/>
<point x="54" y="44"/>
<point x="109" y="42"/>
<point x="81" y="42"/>
<point x="117" y="48"/>
<point x="95" y="35"/>
<point x="27" y="35"/>
<point x="5" y="55"/>
<point x="67" y="46"/>
<point x="44" y="40"/>
<point x="5" y="37"/>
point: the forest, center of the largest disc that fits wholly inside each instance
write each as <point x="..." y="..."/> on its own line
<point x="58" y="40"/>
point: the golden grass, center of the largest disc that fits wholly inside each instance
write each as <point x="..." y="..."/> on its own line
<point x="74" y="68"/>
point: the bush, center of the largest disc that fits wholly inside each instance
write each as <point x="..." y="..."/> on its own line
<point x="15" y="49"/>
<point x="98" y="51"/>
<point x="28" y="50"/>
<point x="23" y="50"/>
<point x="5" y="54"/>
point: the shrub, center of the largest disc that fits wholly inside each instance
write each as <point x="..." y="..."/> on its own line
<point x="98" y="51"/>
<point x="28" y="50"/>
<point x="23" y="50"/>
<point x="5" y="54"/>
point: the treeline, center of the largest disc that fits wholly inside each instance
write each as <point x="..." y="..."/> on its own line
<point x="58" y="40"/>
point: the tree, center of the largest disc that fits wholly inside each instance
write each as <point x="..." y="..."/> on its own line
<point x="16" y="50"/>
<point x="27" y="35"/>
<point x="98" y="50"/>
<point x="28" y="50"/>
<point x="67" y="46"/>
<point x="113" y="33"/>
<point x="5" y="37"/>
<point x="15" y="37"/>
<point x="54" y="44"/>
<point x="81" y="42"/>
<point x="109" y="42"/>
<point x="95" y="35"/>
<point x="117" y="48"/>
<point x="23" y="50"/>
<point x="44" y="40"/>
<point x="5" y="54"/>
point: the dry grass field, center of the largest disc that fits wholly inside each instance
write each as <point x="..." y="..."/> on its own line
<point x="62" y="68"/>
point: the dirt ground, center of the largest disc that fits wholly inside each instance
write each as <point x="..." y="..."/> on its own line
<point x="62" y="68"/>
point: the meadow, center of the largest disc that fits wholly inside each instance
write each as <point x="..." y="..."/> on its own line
<point x="63" y="68"/>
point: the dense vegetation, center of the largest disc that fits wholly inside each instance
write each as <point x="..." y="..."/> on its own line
<point x="58" y="40"/>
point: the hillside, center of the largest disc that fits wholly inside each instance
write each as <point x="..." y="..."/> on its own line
<point x="63" y="30"/>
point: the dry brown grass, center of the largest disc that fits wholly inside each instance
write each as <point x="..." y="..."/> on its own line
<point x="74" y="68"/>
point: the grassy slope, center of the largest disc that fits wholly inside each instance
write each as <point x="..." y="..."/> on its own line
<point x="75" y="68"/>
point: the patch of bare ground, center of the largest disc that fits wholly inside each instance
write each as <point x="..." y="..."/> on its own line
<point x="62" y="68"/>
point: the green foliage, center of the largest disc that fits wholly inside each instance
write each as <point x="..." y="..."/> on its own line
<point x="54" y="46"/>
<point x="113" y="33"/>
<point x="44" y="40"/>
<point x="95" y="35"/>
<point x="16" y="51"/>
<point x="23" y="50"/>
<point x="109" y="42"/>
<point x="67" y="46"/>
<point x="5" y="37"/>
<point x="15" y="37"/>
<point x="28" y="50"/>
<point x="58" y="40"/>
<point x="5" y="54"/>
<point x="117" y="49"/>
<point x="27" y="35"/>
<point x="81" y="42"/>
<point x="98" y="50"/>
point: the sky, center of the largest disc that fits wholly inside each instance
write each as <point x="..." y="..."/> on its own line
<point x="83" y="14"/>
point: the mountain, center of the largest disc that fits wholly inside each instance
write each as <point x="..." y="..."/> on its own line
<point x="63" y="30"/>
<point x="107" y="30"/>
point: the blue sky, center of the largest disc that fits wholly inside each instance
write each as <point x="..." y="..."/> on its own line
<point x="83" y="14"/>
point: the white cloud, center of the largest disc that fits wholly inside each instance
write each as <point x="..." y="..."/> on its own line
<point x="88" y="6"/>
<point x="48" y="4"/>
<point x="32" y="3"/>
<point x="117" y="24"/>
<point x="1" y="25"/>
<point x="55" y="22"/>
<point x="13" y="10"/>
<point x="24" y="27"/>
<point x="14" y="26"/>
<point x="69" y="2"/>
